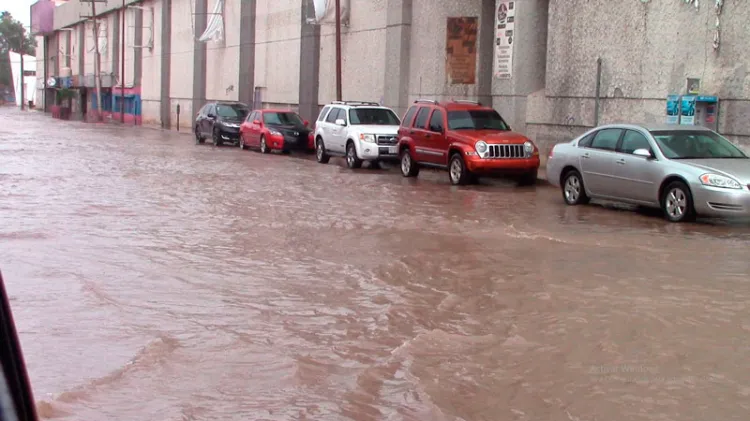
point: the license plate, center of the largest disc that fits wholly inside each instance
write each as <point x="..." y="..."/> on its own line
<point x="392" y="150"/>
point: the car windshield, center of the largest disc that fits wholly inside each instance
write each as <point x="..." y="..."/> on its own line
<point x="285" y="119"/>
<point x="373" y="116"/>
<point x="695" y="144"/>
<point x="231" y="111"/>
<point x="476" y="120"/>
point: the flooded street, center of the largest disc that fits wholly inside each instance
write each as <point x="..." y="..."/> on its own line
<point x="153" y="279"/>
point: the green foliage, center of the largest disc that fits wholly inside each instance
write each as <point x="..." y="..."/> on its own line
<point x="13" y="37"/>
<point x="63" y="94"/>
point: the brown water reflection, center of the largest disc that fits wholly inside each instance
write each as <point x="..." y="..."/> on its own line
<point x="153" y="279"/>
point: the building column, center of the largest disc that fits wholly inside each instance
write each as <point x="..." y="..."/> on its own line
<point x="247" y="52"/>
<point x="397" y="55"/>
<point x="199" y="55"/>
<point x="138" y="46"/>
<point x="309" y="69"/>
<point x="486" y="50"/>
<point x="166" y="63"/>
<point x="116" y="41"/>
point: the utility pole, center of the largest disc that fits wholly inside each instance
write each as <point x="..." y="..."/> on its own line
<point x="21" y="82"/>
<point x="97" y="63"/>
<point x="338" y="50"/>
<point x="122" y="67"/>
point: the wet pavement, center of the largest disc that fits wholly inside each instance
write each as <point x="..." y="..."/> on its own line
<point x="153" y="279"/>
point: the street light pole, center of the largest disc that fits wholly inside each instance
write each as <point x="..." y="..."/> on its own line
<point x="122" y="67"/>
<point x="97" y="63"/>
<point x="338" y="50"/>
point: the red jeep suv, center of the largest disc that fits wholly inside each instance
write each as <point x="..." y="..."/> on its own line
<point x="467" y="139"/>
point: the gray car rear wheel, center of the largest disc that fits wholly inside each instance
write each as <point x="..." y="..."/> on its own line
<point x="573" y="191"/>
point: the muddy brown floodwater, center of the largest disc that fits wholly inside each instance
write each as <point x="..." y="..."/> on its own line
<point x="153" y="279"/>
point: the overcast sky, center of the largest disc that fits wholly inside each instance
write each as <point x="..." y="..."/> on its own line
<point x="20" y="9"/>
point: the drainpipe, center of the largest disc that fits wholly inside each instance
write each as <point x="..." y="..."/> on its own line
<point x="598" y="90"/>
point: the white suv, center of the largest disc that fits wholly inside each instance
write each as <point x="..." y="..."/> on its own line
<point x="360" y="131"/>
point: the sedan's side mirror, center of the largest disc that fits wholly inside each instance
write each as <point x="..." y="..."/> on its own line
<point x="436" y="129"/>
<point x="257" y="122"/>
<point x="340" y="122"/>
<point x="643" y="152"/>
<point x="211" y="115"/>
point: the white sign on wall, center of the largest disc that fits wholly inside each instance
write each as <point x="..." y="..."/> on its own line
<point x="505" y="37"/>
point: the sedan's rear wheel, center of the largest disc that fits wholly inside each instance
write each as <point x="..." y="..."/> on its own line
<point x="573" y="190"/>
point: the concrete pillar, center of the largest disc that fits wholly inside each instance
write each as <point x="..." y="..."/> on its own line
<point x="166" y="67"/>
<point x="247" y="52"/>
<point x="137" y="52"/>
<point x="68" y="38"/>
<point x="397" y="55"/>
<point x="199" y="55"/>
<point x="486" y="50"/>
<point x="309" y="59"/>
<point x="116" y="43"/>
<point x="510" y="96"/>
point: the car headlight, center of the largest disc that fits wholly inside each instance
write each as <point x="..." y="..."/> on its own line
<point x="367" y="138"/>
<point x="273" y="132"/>
<point x="528" y="148"/>
<point x="481" y="147"/>
<point x="716" y="180"/>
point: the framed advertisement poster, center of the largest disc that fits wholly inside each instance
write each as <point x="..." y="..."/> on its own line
<point x="505" y="25"/>
<point x="461" y="50"/>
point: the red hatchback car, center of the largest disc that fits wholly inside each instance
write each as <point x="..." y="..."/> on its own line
<point x="270" y="130"/>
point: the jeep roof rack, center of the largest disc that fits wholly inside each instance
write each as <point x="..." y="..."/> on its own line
<point x="426" y="101"/>
<point x="466" y="101"/>
<point x="356" y="103"/>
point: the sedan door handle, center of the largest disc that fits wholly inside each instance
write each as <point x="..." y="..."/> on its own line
<point x="428" y="136"/>
<point x="585" y="156"/>
<point x="621" y="161"/>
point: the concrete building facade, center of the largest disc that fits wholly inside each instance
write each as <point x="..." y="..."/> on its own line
<point x="395" y="51"/>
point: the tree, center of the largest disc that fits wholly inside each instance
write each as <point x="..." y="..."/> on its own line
<point x="13" y="37"/>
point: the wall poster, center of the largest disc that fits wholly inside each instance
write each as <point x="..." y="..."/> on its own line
<point x="505" y="23"/>
<point x="461" y="50"/>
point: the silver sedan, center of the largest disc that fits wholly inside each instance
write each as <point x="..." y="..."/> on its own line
<point x="684" y="170"/>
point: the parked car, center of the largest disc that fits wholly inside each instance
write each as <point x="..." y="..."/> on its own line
<point x="467" y="139"/>
<point x="360" y="131"/>
<point x="684" y="170"/>
<point x="221" y="121"/>
<point x="269" y="130"/>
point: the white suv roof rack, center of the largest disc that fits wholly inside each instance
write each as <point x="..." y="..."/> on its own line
<point x="357" y="103"/>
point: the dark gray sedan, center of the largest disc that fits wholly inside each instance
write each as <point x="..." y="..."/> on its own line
<point x="684" y="170"/>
